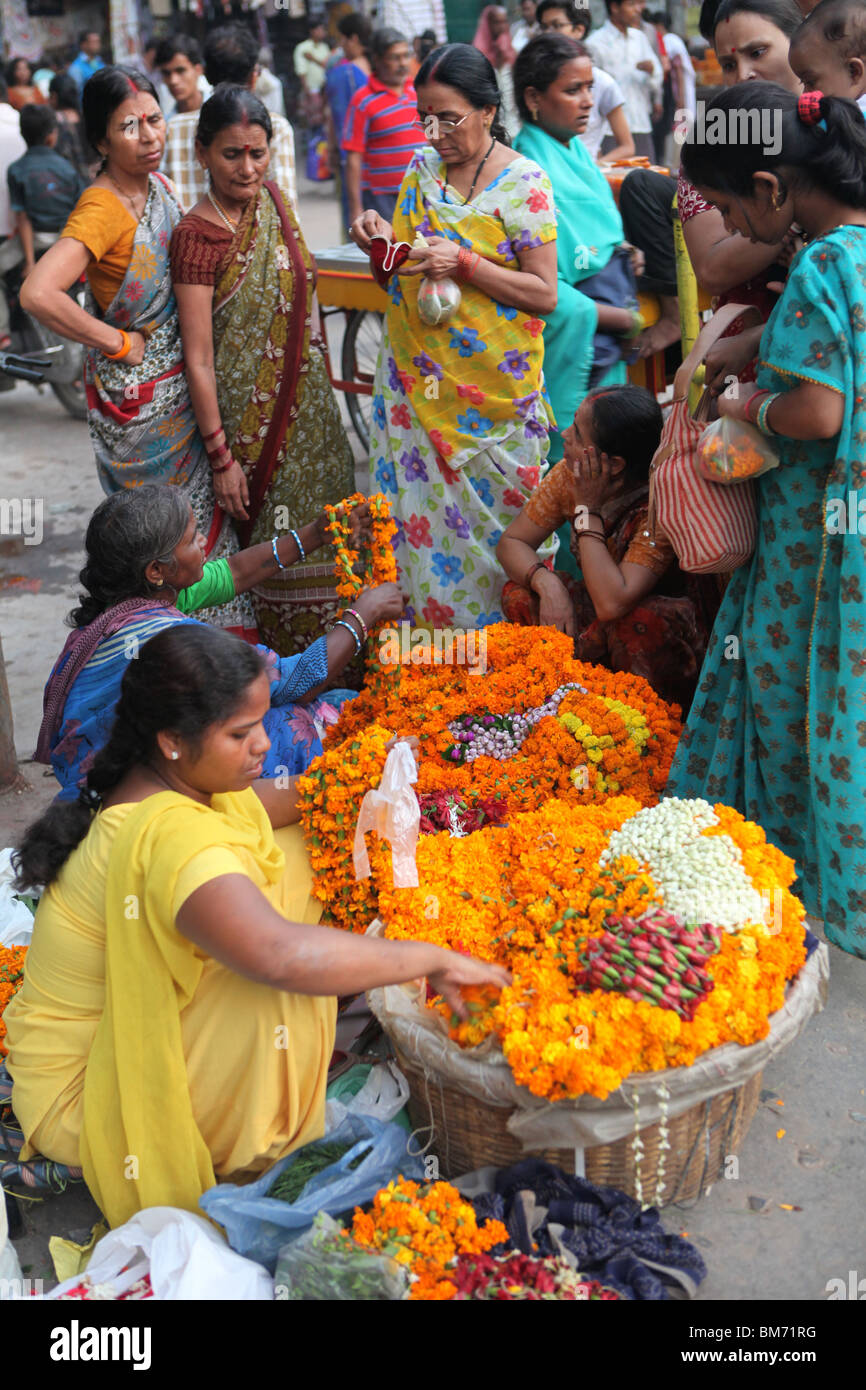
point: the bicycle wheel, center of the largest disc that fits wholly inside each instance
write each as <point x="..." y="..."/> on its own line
<point x="361" y="343"/>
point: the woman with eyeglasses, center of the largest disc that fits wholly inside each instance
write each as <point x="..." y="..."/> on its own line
<point x="460" y="417"/>
<point x="142" y="424"/>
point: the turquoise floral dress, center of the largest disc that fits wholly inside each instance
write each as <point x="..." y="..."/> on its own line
<point x="460" y="416"/>
<point x="778" y="728"/>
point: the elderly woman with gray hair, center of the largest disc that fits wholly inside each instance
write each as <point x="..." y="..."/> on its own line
<point x="146" y="571"/>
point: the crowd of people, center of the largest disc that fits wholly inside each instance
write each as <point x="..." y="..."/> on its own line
<point x="515" y="457"/>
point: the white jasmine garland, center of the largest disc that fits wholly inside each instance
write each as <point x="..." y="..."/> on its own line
<point x="701" y="877"/>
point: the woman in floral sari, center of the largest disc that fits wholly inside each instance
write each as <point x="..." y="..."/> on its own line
<point x="141" y="421"/>
<point x="460" y="418"/>
<point x="244" y="281"/>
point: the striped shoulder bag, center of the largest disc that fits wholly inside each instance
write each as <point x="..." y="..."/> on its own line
<point x="711" y="528"/>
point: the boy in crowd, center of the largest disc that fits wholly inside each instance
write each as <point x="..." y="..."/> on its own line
<point x="231" y="54"/>
<point x="828" y="51"/>
<point x="179" y="61"/>
<point x="43" y="186"/>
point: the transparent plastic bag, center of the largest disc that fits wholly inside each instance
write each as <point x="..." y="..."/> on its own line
<point x="732" y="451"/>
<point x="325" y="1265"/>
<point x="258" y="1226"/>
<point x="438" y="301"/>
<point x="392" y="811"/>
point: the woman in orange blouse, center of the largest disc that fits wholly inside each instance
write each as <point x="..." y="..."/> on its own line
<point x="633" y="610"/>
<point x="21" y="89"/>
<point x="142" y="424"/>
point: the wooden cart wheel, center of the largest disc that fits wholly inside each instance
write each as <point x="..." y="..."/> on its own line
<point x="361" y="343"/>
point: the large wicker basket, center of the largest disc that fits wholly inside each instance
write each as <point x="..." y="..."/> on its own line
<point x="466" y="1133"/>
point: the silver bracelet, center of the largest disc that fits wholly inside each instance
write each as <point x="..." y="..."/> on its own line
<point x="338" y="622"/>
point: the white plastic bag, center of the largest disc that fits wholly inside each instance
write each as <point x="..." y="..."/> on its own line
<point x="16" y="919"/>
<point x="392" y="811"/>
<point x="184" y="1255"/>
<point x="11" y="1279"/>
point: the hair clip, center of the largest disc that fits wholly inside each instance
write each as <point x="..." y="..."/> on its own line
<point x="809" y="107"/>
<point x="90" y="798"/>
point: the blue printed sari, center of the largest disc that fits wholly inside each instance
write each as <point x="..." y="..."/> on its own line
<point x="81" y="729"/>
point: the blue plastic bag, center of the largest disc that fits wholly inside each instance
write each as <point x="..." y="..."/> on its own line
<point x="258" y="1226"/>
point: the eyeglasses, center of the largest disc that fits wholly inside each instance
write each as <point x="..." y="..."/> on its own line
<point x="434" y="128"/>
<point x="561" y="26"/>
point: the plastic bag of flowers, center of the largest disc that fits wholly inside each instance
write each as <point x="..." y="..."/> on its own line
<point x="730" y="451"/>
<point x="327" y="1264"/>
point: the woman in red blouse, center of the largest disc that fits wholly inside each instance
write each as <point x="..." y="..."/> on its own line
<point x="245" y="287"/>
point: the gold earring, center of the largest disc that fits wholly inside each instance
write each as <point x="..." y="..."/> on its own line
<point x="159" y="583"/>
<point x="777" y="206"/>
<point x="534" y="113"/>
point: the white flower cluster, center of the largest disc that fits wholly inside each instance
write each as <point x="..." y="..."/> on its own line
<point x="701" y="876"/>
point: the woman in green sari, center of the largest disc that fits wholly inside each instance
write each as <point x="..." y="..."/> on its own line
<point x="585" y="336"/>
<point x="245" y="287"/>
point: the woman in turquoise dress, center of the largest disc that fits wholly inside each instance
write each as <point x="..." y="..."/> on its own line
<point x="778" y="726"/>
<point x="587" y="333"/>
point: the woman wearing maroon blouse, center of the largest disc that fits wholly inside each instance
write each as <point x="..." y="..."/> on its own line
<point x="245" y="287"/>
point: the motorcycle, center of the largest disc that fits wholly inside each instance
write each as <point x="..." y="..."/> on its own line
<point x="61" y="361"/>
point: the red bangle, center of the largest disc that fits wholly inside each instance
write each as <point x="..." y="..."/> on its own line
<point x="754" y="396"/>
<point x="213" y="434"/>
<point x="467" y="261"/>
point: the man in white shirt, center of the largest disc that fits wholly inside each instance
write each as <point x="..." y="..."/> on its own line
<point x="311" y="60"/>
<point x="230" y="55"/>
<point x="622" y="49"/>
<point x="525" y="28"/>
<point x="12" y="147"/>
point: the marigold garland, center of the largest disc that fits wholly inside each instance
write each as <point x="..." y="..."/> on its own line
<point x="425" y="1227"/>
<point x="11" y="978"/>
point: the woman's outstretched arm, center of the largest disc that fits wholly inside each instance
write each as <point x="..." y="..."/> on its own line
<point x="235" y="924"/>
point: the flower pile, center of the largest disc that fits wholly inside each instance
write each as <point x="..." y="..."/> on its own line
<point x="425" y="1227"/>
<point x="524" y="1278"/>
<point x="597" y="733"/>
<point x="525" y="668"/>
<point x="533" y="894"/>
<point x="11" y="977"/>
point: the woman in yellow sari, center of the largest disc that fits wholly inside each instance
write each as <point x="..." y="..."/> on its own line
<point x="177" y="1014"/>
<point x="460" y="418"/>
<point x="245" y="288"/>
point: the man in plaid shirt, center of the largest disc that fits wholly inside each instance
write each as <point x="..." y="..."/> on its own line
<point x="230" y="55"/>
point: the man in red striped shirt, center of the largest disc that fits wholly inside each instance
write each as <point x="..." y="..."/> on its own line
<point x="382" y="130"/>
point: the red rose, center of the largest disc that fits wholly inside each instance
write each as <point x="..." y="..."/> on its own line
<point x="537" y="201"/>
<point x="400" y="416"/>
<point x="472" y="393"/>
<point x="441" y="445"/>
<point x="513" y="498"/>
<point x="534" y="326"/>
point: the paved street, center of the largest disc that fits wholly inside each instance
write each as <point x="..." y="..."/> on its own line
<point x="789" y="1222"/>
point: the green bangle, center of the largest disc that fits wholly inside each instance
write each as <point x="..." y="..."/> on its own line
<point x="761" y="420"/>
